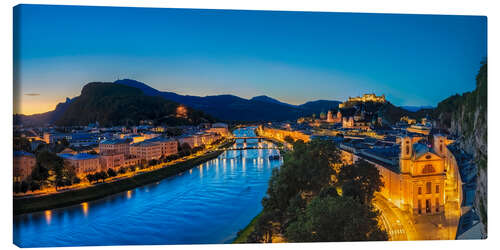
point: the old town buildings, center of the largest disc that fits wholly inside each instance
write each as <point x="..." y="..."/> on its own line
<point x="24" y="163"/>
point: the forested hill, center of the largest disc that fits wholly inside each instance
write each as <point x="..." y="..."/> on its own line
<point x="113" y="104"/>
<point x="466" y="116"/>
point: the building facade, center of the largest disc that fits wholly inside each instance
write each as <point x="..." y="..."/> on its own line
<point x="83" y="163"/>
<point x="416" y="182"/>
<point x="146" y="150"/>
<point x="24" y="163"/>
<point x="116" y="146"/>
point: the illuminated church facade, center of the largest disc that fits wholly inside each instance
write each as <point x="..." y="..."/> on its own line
<point x="418" y="184"/>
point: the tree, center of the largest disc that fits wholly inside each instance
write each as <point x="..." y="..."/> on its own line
<point x="24" y="187"/>
<point x="173" y="132"/>
<point x="16" y="187"/>
<point x="143" y="164"/>
<point x="22" y="144"/>
<point x="185" y="148"/>
<point x="360" y="181"/>
<point x="306" y="171"/>
<point x="35" y="185"/>
<point x="337" y="218"/>
<point x="90" y="177"/>
<point x="263" y="231"/>
<point x="49" y="169"/>
<point x="111" y="172"/>
<point x="289" y="139"/>
<point x="101" y="175"/>
<point x="153" y="162"/>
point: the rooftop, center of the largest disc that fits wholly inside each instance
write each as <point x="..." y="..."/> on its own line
<point x="115" y="141"/>
<point x="22" y="153"/>
<point x="80" y="156"/>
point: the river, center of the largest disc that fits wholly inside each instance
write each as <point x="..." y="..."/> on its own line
<point x="207" y="204"/>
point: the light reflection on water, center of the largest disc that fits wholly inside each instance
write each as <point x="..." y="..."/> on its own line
<point x="207" y="204"/>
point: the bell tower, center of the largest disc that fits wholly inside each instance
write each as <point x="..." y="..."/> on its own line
<point x="439" y="144"/>
<point x="406" y="152"/>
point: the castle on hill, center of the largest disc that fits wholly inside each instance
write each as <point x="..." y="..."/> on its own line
<point x="365" y="98"/>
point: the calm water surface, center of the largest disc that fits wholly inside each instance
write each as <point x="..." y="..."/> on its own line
<point x="207" y="204"/>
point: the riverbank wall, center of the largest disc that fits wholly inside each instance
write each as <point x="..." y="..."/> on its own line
<point x="73" y="197"/>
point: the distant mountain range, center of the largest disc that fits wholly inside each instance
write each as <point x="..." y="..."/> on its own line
<point x="44" y="118"/>
<point x="234" y="108"/>
<point x="220" y="107"/>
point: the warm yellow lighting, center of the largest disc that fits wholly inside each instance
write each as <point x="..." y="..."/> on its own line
<point x="48" y="216"/>
<point x="181" y="112"/>
<point x="85" y="208"/>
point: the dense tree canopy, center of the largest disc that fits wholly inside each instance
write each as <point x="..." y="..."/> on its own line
<point x="337" y="218"/>
<point x="303" y="205"/>
<point x="360" y="180"/>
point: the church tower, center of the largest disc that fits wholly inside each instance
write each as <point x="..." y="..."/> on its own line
<point x="406" y="153"/>
<point x="439" y="145"/>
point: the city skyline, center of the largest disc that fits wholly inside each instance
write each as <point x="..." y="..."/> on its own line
<point x="245" y="53"/>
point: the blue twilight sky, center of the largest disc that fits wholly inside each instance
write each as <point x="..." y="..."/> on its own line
<point x="292" y="56"/>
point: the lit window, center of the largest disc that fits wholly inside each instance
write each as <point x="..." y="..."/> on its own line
<point x="428" y="187"/>
<point x="437" y="189"/>
<point x="419" y="190"/>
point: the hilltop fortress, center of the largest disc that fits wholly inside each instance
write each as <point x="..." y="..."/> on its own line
<point x="364" y="98"/>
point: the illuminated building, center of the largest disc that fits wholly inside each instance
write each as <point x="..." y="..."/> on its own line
<point x="113" y="161"/>
<point x="414" y="176"/>
<point x="220" y="128"/>
<point x="83" y="163"/>
<point x="421" y="129"/>
<point x="154" y="148"/>
<point x="146" y="150"/>
<point x="24" y="163"/>
<point x="181" y="112"/>
<point x="117" y="146"/>
<point x="280" y="134"/>
<point x="192" y="140"/>
<point x="364" y="98"/>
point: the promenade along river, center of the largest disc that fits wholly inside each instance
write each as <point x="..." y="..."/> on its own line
<point x="207" y="204"/>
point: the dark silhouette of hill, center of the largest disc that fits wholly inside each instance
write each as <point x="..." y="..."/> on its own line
<point x="234" y="108"/>
<point x="113" y="104"/>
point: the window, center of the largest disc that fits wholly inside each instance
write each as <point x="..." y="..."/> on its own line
<point x="419" y="207"/>
<point x="437" y="189"/>
<point x="437" y="204"/>
<point x="407" y="148"/>
<point x="419" y="190"/>
<point x="428" y="188"/>
<point x="427" y="206"/>
<point x="428" y="169"/>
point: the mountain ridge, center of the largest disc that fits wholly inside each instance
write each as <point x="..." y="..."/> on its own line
<point x="233" y="108"/>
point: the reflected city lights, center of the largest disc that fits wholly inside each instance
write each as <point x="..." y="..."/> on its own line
<point x="48" y="216"/>
<point x="85" y="208"/>
<point x="129" y="194"/>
